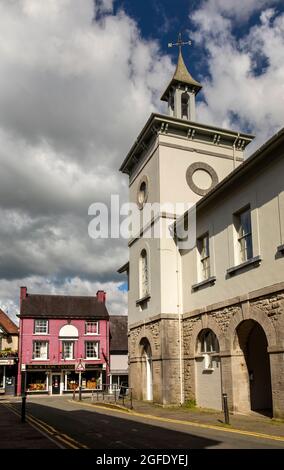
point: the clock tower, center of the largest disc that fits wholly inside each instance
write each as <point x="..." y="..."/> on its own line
<point x="175" y="160"/>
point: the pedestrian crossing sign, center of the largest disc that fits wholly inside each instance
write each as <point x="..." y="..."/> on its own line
<point x="80" y="366"/>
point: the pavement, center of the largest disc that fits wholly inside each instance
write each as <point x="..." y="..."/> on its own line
<point x="17" y="435"/>
<point x="253" y="422"/>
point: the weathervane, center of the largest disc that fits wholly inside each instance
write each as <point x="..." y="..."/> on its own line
<point x="179" y="43"/>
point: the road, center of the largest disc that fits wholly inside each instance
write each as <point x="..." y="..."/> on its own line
<point x="77" y="425"/>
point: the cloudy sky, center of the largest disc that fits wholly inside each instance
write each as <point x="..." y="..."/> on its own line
<point x="78" y="79"/>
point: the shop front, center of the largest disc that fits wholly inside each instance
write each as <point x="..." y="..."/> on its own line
<point x="8" y="375"/>
<point x="58" y="380"/>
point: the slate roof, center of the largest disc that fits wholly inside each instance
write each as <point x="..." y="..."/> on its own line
<point x="118" y="333"/>
<point x="62" y="306"/>
<point x="7" y="325"/>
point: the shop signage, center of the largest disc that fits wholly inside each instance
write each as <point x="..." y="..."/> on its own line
<point x="23" y="367"/>
<point x="80" y="366"/>
<point x="53" y="368"/>
<point x="6" y="362"/>
<point x="58" y="368"/>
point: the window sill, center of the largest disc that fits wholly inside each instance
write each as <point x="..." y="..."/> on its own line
<point x="92" y="334"/>
<point x="210" y="281"/>
<point x="91" y="359"/>
<point x="209" y="370"/>
<point x="251" y="262"/>
<point x="280" y="249"/>
<point x="40" y="360"/>
<point x="41" y="334"/>
<point x="143" y="299"/>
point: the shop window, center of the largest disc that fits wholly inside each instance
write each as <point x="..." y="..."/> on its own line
<point x="68" y="349"/>
<point x="40" y="350"/>
<point x="92" y="328"/>
<point x="91" y="350"/>
<point x="41" y="327"/>
<point x="90" y="380"/>
<point x="36" y="382"/>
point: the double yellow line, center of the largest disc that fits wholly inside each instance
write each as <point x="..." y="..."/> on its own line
<point x="53" y="433"/>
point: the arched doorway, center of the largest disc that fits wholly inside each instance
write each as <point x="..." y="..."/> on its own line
<point x="146" y="353"/>
<point x="253" y="379"/>
<point x="208" y="371"/>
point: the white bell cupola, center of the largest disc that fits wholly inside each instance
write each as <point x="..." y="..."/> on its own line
<point x="181" y="91"/>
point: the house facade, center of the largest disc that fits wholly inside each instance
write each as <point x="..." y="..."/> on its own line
<point x="206" y="317"/>
<point x="9" y="335"/>
<point x="118" y="351"/>
<point x="56" y="333"/>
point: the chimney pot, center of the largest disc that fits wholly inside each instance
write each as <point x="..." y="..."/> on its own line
<point x="101" y="296"/>
<point x="23" y="293"/>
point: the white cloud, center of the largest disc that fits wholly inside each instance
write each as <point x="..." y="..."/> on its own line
<point x="10" y="292"/>
<point x="245" y="89"/>
<point x="239" y="10"/>
<point x="76" y="85"/>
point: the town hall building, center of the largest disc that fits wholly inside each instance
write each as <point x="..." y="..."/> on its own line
<point x="207" y="319"/>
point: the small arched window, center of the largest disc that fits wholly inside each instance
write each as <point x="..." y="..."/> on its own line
<point x="207" y="342"/>
<point x="184" y="105"/>
<point x="208" y="347"/>
<point x="144" y="274"/>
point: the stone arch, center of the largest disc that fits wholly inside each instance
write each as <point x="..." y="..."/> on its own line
<point x="146" y="378"/>
<point x="144" y="335"/>
<point x="207" y="367"/>
<point x="259" y="317"/>
<point x="205" y="322"/>
<point x="251" y="379"/>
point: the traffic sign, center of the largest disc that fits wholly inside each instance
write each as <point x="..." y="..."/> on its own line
<point x="80" y="366"/>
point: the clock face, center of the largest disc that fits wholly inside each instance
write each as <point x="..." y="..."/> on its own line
<point x="142" y="193"/>
<point x="201" y="178"/>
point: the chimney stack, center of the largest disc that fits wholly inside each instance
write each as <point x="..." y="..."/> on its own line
<point x="101" y="296"/>
<point x="23" y="294"/>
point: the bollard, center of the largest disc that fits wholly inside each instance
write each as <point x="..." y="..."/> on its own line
<point x="74" y="394"/>
<point x="80" y="393"/>
<point x="114" y="394"/>
<point x="225" y="408"/>
<point x="23" y="411"/>
<point x="131" y="402"/>
<point x="92" y="398"/>
<point x="97" y="395"/>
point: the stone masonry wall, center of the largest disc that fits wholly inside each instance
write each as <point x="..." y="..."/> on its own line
<point x="163" y="336"/>
<point x="268" y="311"/>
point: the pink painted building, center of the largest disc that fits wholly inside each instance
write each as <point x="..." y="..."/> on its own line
<point x="56" y="332"/>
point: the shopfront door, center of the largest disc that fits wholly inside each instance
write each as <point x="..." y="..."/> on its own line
<point x="55" y="384"/>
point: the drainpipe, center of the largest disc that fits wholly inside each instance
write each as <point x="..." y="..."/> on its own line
<point x="179" y="306"/>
